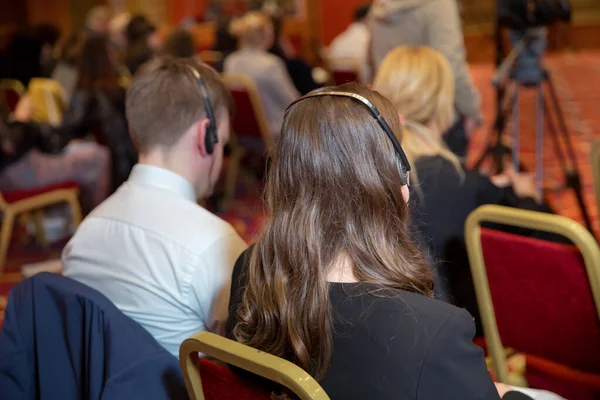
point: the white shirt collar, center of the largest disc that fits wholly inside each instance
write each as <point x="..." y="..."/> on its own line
<point x="160" y="178"/>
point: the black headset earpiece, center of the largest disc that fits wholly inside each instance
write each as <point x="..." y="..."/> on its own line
<point x="211" y="137"/>
<point x="402" y="160"/>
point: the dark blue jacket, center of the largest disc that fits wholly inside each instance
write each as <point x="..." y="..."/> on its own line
<point x="64" y="340"/>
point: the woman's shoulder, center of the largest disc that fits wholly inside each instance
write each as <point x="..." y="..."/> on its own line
<point x="419" y="316"/>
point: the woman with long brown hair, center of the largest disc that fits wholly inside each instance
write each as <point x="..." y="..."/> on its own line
<point x="336" y="283"/>
<point x="98" y="106"/>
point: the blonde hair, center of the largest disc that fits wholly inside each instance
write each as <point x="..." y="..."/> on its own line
<point x="251" y="28"/>
<point x="419" y="81"/>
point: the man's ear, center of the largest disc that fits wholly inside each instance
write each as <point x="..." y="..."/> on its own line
<point x="200" y="135"/>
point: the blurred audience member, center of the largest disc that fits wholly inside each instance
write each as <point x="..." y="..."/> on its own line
<point x="225" y="42"/>
<point x="117" y="31"/>
<point x="299" y="70"/>
<point x="65" y="71"/>
<point x="98" y="107"/>
<point x="49" y="35"/>
<point x="142" y="42"/>
<point x="345" y="293"/>
<point x="150" y="248"/>
<point x="420" y="83"/>
<point x="353" y="43"/>
<point x="23" y="56"/>
<point x="437" y="24"/>
<point x="37" y="156"/>
<point x="97" y="20"/>
<point x="180" y="44"/>
<point x="255" y="33"/>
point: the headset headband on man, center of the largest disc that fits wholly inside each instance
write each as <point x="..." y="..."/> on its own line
<point x="405" y="165"/>
<point x="211" y="131"/>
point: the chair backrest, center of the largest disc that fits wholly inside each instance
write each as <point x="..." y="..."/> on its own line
<point x="257" y="362"/>
<point x="538" y="297"/>
<point x="595" y="162"/>
<point x="249" y="119"/>
<point x="344" y="70"/>
<point x="11" y="92"/>
<point x="221" y="383"/>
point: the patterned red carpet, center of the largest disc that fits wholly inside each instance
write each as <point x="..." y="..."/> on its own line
<point x="577" y="79"/>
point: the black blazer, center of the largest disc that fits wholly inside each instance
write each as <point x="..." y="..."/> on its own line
<point x="395" y="345"/>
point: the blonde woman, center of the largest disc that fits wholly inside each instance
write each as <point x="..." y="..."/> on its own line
<point x="420" y="83"/>
<point x="255" y="36"/>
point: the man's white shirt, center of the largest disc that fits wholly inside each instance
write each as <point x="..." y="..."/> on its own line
<point x="159" y="257"/>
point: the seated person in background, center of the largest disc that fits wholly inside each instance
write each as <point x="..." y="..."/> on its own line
<point x="180" y="44"/>
<point x="255" y="33"/>
<point x="420" y="84"/>
<point x="65" y="71"/>
<point x="117" y="32"/>
<point x="225" y="42"/>
<point x="150" y="248"/>
<point x="37" y="156"/>
<point x="97" y="20"/>
<point x="23" y="56"/>
<point x="433" y="23"/>
<point x="142" y="42"/>
<point x="353" y="43"/>
<point x="98" y="107"/>
<point x="49" y="35"/>
<point x="336" y="283"/>
<point x="299" y="70"/>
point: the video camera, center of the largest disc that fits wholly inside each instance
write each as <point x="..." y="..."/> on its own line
<point x="521" y="15"/>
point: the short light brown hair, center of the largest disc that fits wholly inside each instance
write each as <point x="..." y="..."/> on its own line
<point x="164" y="101"/>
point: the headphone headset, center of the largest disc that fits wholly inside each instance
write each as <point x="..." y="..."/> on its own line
<point x="210" y="138"/>
<point x="402" y="160"/>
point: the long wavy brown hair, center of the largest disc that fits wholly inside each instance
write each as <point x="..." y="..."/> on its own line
<point x="332" y="191"/>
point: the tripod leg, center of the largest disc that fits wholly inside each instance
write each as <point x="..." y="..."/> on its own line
<point x="558" y="150"/>
<point x="572" y="175"/>
<point x="561" y="118"/>
<point x="539" y="139"/>
<point x="516" y="120"/>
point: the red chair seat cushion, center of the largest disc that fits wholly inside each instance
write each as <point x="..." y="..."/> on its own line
<point x="16" y="195"/>
<point x="220" y="383"/>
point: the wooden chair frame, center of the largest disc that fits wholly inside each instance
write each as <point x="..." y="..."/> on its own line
<point x="344" y="64"/>
<point x="235" y="80"/>
<point x="595" y="163"/>
<point x="572" y="230"/>
<point x="263" y="364"/>
<point x="34" y="205"/>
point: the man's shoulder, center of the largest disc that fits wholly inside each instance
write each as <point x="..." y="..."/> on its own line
<point x="178" y="220"/>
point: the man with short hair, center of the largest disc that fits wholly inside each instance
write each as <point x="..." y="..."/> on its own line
<point x="159" y="257"/>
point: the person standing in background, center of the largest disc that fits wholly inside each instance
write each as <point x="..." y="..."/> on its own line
<point x="436" y="24"/>
<point x="353" y="43"/>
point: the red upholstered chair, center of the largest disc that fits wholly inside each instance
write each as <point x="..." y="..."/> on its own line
<point x="26" y="202"/>
<point x="344" y="71"/>
<point x="250" y="121"/>
<point x="207" y="380"/>
<point x="538" y="298"/>
<point x="595" y="162"/>
<point x="11" y="92"/>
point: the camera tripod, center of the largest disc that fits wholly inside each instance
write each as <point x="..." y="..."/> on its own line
<point x="510" y="110"/>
